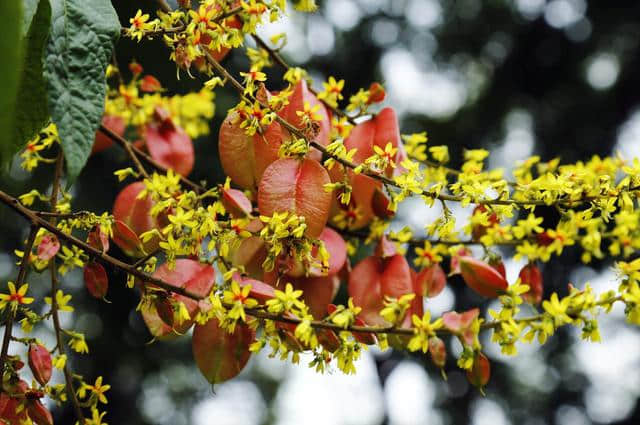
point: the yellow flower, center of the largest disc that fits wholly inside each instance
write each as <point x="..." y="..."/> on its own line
<point x="61" y="301"/>
<point x="96" y="389"/>
<point x="15" y="297"/>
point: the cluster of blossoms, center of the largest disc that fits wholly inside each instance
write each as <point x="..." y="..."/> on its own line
<point x="257" y="262"/>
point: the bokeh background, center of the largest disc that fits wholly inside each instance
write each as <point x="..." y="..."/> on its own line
<point x="523" y="77"/>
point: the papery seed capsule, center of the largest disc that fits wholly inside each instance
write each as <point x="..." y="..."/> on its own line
<point x="40" y="363"/>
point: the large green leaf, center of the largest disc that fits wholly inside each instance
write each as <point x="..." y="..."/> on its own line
<point x="31" y="108"/>
<point x="10" y="68"/>
<point x="80" y="45"/>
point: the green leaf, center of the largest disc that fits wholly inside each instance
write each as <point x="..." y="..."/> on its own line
<point x="29" y="8"/>
<point x="10" y="68"/>
<point x="80" y="45"/>
<point x="31" y="108"/>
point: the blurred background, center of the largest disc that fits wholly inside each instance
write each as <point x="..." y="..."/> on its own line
<point x="520" y="78"/>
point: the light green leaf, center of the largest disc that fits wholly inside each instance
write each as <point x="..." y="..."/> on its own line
<point x="31" y="107"/>
<point x="10" y="68"/>
<point x="29" y="8"/>
<point x="80" y="45"/>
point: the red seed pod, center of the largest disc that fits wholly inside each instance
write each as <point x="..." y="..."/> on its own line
<point x="480" y="372"/>
<point x="530" y="275"/>
<point x="479" y="231"/>
<point x="40" y="363"/>
<point x="96" y="280"/>
<point x="376" y="93"/>
<point x="48" y="247"/>
<point x="482" y="278"/>
<point x="438" y="351"/>
<point x="430" y="281"/>
<point x="39" y="414"/>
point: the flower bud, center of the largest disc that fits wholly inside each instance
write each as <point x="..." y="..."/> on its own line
<point x="40" y="363"/>
<point x="482" y="278"/>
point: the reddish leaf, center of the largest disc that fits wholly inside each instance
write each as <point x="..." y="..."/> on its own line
<point x="219" y="355"/>
<point x="373" y="278"/>
<point x="244" y="158"/>
<point x="96" y="280"/>
<point x="530" y="275"/>
<point x="431" y="281"/>
<point x="40" y="363"/>
<point x="170" y="146"/>
<point x="337" y="247"/>
<point x="318" y="292"/>
<point x="48" y="247"/>
<point x="191" y="275"/>
<point x="236" y="203"/>
<point x="39" y="414"/>
<point x="135" y="218"/>
<point x="127" y="240"/>
<point x="259" y="290"/>
<point x="298" y="188"/>
<point x="482" y="278"/>
<point x="113" y="123"/>
<point x="250" y="254"/>
<point x="300" y="95"/>
<point x="380" y="204"/>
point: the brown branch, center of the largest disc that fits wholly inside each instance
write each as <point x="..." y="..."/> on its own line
<point x="71" y="394"/>
<point x="126" y="145"/>
<point x="22" y="274"/>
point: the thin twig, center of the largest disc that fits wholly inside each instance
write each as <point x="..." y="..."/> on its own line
<point x="126" y="145"/>
<point x="22" y="274"/>
<point x="71" y="394"/>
